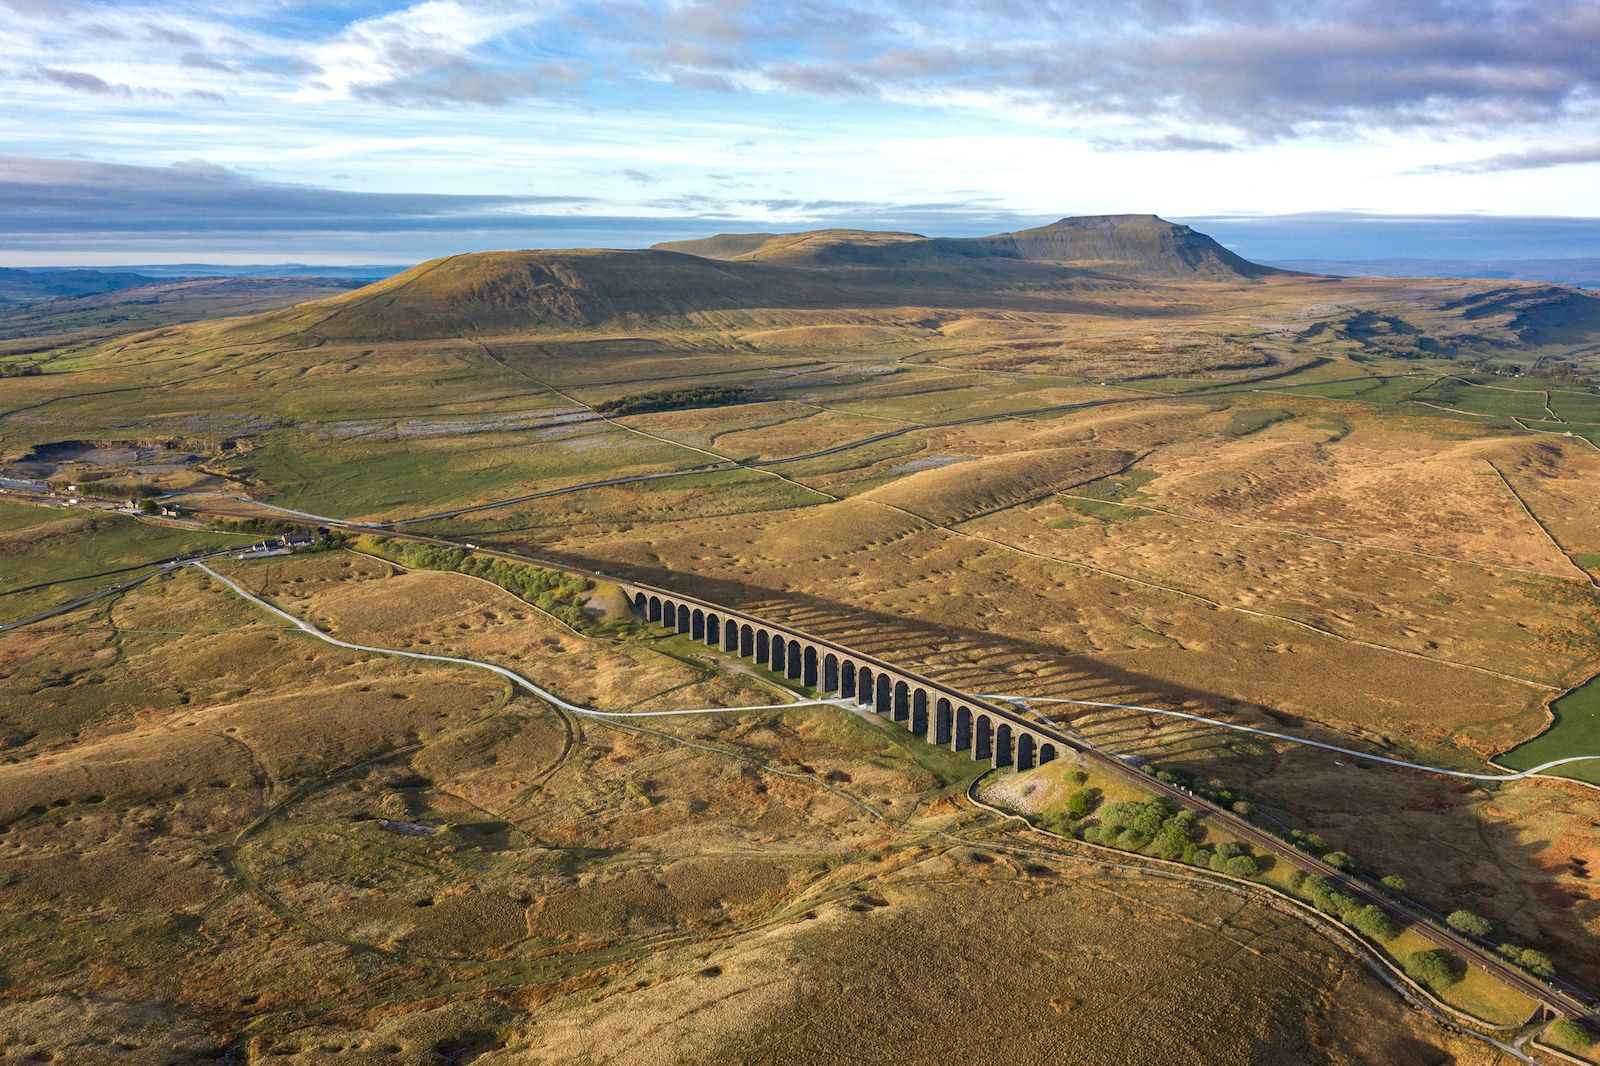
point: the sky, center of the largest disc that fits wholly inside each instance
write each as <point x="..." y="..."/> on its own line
<point x="354" y="131"/>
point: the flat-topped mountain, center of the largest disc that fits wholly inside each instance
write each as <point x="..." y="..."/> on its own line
<point x="1049" y="268"/>
<point x="1124" y="245"/>
<point x="1131" y="244"/>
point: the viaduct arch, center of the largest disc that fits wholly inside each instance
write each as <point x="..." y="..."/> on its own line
<point x="935" y="712"/>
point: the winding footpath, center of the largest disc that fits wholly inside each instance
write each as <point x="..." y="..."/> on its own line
<point x="510" y="675"/>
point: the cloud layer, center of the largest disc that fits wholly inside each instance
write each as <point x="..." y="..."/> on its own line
<point x="67" y="204"/>
<point x="578" y="117"/>
<point x="1253" y="69"/>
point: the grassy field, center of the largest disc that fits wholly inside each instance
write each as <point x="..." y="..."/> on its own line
<point x="51" y="556"/>
<point x="1575" y="731"/>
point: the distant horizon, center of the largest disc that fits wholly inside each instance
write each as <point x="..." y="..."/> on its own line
<point x="1336" y="235"/>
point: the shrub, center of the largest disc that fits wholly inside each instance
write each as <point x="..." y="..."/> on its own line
<point x="1080" y="801"/>
<point x="1394" y="883"/>
<point x="1150" y="826"/>
<point x="1130" y="840"/>
<point x="1469" y="924"/>
<point x="1339" y="861"/>
<point x="1060" y="824"/>
<point x="1307" y="841"/>
<point x="1297" y="879"/>
<point x="1438" y="969"/>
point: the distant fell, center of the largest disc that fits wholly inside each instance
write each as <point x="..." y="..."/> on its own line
<point x="1130" y="245"/>
<point x="27" y="285"/>
<point x="1580" y="273"/>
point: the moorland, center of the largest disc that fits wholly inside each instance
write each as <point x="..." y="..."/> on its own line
<point x="1105" y="461"/>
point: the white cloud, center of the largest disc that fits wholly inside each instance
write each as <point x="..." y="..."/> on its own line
<point x="427" y="36"/>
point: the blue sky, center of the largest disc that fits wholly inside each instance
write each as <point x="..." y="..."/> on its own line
<point x="347" y="132"/>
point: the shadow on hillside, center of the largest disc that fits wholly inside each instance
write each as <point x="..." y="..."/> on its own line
<point x="1440" y="833"/>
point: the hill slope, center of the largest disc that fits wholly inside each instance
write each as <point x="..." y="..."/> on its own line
<point x="158" y="303"/>
<point x="501" y="292"/>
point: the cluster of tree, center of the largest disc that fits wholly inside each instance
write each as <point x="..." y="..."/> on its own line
<point x="1365" y="918"/>
<point x="674" y="399"/>
<point x="1339" y="860"/>
<point x="1153" y="828"/>
<point x="1235" y="799"/>
<point x="1436" y="968"/>
<point x="555" y="594"/>
<point x="255" y="525"/>
<point x="106" y="489"/>
<point x="1535" y="962"/>
<point x="31" y="370"/>
<point x="1307" y="841"/>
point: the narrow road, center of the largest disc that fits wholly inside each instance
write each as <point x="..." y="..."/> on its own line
<point x="1503" y="775"/>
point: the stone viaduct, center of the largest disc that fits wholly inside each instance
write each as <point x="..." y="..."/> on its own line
<point x="938" y="713"/>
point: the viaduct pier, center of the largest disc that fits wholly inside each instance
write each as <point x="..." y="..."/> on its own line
<point x="935" y="712"/>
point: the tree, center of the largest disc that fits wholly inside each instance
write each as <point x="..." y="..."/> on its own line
<point x="1469" y="924"/>
<point x="1373" y="922"/>
<point x="1339" y="861"/>
<point x="1242" y="866"/>
<point x="1438" y="969"/>
<point x="1394" y="883"/>
<point x="1297" y="879"/>
<point x="1536" y="962"/>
